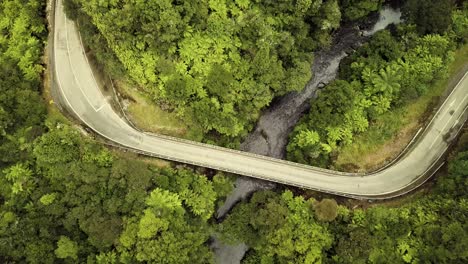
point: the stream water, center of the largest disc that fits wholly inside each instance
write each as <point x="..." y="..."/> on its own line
<point x="387" y="16"/>
<point x="270" y="136"/>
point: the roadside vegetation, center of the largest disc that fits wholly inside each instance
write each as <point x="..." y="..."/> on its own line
<point x="397" y="70"/>
<point x="392" y="131"/>
<point x="149" y="116"/>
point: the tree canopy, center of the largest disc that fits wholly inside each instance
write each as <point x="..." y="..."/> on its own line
<point x="22" y="32"/>
<point x="358" y="9"/>
<point x="430" y="16"/>
<point x="279" y="228"/>
<point x="76" y="200"/>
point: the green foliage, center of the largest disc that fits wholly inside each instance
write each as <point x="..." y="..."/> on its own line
<point x="20" y="178"/>
<point x="195" y="191"/>
<point x="66" y="248"/>
<point x="48" y="199"/>
<point x="457" y="182"/>
<point x="58" y="147"/>
<point x="326" y="210"/>
<point x="356" y="9"/>
<point x="430" y="229"/>
<point x="216" y="63"/>
<point x="429" y="16"/>
<point x="22" y="32"/>
<point x="99" y="206"/>
<point x="337" y="113"/>
<point x="165" y="233"/>
<point x="223" y="184"/>
<point x="279" y="228"/>
<point x="460" y="23"/>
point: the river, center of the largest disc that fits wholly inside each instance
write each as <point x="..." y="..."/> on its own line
<point x="270" y="136"/>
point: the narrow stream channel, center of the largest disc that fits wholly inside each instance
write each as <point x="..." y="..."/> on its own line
<point x="270" y="136"/>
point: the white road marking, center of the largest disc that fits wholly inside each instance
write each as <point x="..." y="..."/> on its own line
<point x="433" y="142"/>
<point x="71" y="66"/>
<point x="451" y="104"/>
<point x="86" y="58"/>
<point x="99" y="109"/>
<point x="463" y="100"/>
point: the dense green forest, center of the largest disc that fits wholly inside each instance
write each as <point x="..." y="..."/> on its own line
<point x="64" y="198"/>
<point x="393" y="69"/>
<point x="215" y="63"/>
<point x="73" y="199"/>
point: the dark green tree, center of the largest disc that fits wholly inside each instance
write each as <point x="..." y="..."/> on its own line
<point x="429" y="16"/>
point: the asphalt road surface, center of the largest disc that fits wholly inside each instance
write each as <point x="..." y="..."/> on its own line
<point x="80" y="91"/>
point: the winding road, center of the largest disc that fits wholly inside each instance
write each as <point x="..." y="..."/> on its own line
<point x="82" y="96"/>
